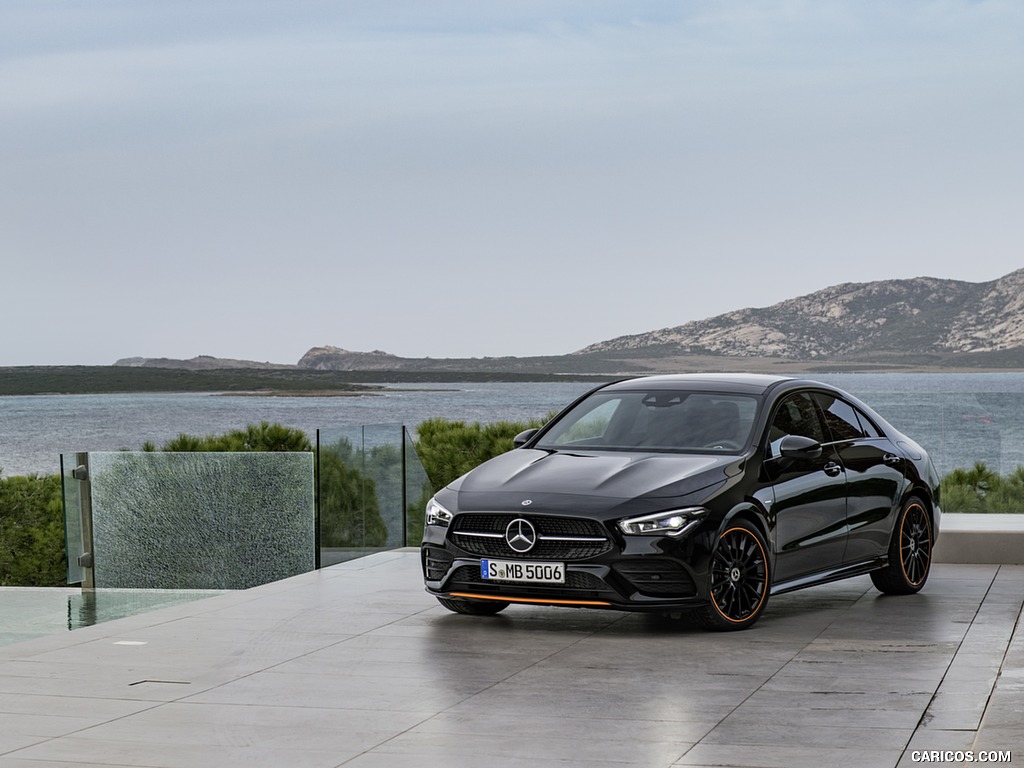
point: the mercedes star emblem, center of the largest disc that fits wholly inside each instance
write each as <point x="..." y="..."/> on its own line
<point x="520" y="535"/>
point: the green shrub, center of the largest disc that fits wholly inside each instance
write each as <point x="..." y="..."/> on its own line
<point x="255" y="437"/>
<point x="32" y="532"/>
<point x="349" y="512"/>
<point x="449" y="449"/>
<point x="979" y="489"/>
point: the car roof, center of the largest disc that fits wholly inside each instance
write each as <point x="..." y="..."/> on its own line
<point x="745" y="383"/>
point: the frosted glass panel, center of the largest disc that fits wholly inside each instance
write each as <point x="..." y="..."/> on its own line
<point x="201" y="520"/>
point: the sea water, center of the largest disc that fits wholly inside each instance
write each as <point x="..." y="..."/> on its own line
<point x="959" y="418"/>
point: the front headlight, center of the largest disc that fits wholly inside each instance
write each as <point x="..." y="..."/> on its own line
<point x="672" y="523"/>
<point x="437" y="515"/>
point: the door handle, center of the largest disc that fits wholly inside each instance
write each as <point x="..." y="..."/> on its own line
<point x="892" y="459"/>
<point x="832" y="469"/>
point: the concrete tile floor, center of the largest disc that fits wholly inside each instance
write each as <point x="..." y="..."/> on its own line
<point x="355" y="665"/>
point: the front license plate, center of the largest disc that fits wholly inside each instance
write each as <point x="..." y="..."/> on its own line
<point x="527" y="573"/>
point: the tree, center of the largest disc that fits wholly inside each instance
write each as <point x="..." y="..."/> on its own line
<point x="349" y="511"/>
<point x="32" y="532"/>
<point x="449" y="449"/>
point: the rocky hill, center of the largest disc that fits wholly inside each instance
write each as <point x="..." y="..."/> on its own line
<point x="337" y="359"/>
<point x="927" y="320"/>
<point x="199" y="363"/>
<point x="921" y="323"/>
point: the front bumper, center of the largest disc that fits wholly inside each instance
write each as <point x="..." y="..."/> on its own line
<point x="651" y="583"/>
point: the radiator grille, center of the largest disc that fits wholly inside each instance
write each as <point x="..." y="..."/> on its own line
<point x="559" y="538"/>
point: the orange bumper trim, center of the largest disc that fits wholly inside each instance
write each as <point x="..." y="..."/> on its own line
<point x="533" y="600"/>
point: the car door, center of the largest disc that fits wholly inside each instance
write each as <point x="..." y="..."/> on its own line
<point x="809" y="508"/>
<point x="874" y="477"/>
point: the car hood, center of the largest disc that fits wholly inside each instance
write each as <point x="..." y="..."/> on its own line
<point x="530" y="473"/>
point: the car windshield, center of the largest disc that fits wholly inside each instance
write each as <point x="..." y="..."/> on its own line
<point x="656" y="420"/>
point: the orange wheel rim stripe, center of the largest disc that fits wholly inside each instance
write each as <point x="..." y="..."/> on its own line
<point x="928" y="527"/>
<point x="764" y="592"/>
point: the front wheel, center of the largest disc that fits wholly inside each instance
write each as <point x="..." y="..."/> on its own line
<point x="739" y="580"/>
<point x="910" y="552"/>
<point x="473" y="607"/>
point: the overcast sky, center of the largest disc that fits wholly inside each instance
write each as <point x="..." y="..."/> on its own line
<point x="462" y="178"/>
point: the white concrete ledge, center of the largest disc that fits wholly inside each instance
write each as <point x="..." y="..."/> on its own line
<point x="983" y="539"/>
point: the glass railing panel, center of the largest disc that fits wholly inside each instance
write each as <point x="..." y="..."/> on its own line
<point x="74" y="544"/>
<point x="372" y="489"/>
<point x="351" y="520"/>
<point x="957" y="430"/>
<point x="417" y="492"/>
<point x="201" y="520"/>
<point x="976" y="441"/>
<point x="382" y="464"/>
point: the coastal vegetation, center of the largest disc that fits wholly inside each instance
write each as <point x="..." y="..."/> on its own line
<point x="31" y="532"/>
<point x="979" y="489"/>
<point x="31" y="513"/>
<point x="255" y="437"/>
<point x="449" y="449"/>
<point x="106" y="379"/>
<point x="291" y="381"/>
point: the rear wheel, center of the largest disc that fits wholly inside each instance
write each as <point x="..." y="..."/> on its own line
<point x="910" y="552"/>
<point x="473" y="607"/>
<point x="739" y="580"/>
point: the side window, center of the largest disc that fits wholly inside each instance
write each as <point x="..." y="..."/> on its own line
<point x="841" y="418"/>
<point x="796" y="415"/>
<point x="867" y="425"/>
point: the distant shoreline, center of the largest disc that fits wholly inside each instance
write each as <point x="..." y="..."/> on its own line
<point x="293" y="382"/>
<point x="374" y="392"/>
<point x="298" y="382"/>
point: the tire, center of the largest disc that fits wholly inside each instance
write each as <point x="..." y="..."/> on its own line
<point x="910" y="552"/>
<point x="473" y="607"/>
<point x="740" y="580"/>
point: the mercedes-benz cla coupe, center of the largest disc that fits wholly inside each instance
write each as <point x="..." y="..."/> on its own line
<point x="693" y="494"/>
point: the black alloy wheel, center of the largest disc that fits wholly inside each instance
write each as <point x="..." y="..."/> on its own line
<point x="910" y="552"/>
<point x="739" y="579"/>
<point x="473" y="607"/>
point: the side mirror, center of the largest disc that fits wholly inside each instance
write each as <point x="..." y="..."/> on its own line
<point x="523" y="437"/>
<point x="799" y="447"/>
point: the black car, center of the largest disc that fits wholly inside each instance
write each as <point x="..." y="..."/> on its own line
<point x="693" y="494"/>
